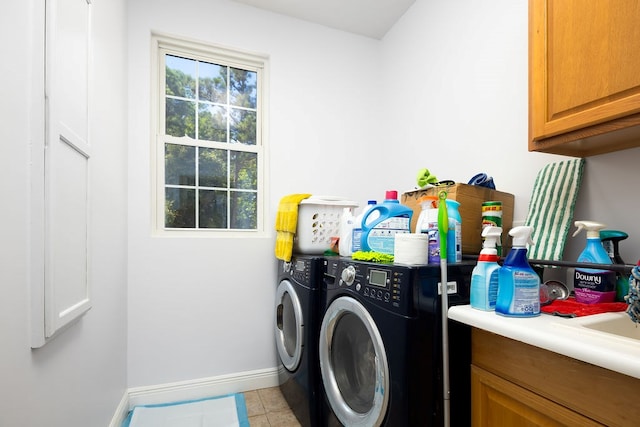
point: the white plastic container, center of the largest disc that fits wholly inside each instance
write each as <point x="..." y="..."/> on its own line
<point x="428" y="224"/>
<point x="319" y="220"/>
<point x="346" y="231"/>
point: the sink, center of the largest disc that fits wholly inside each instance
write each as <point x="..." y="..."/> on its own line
<point x="619" y="325"/>
<point x="615" y="325"/>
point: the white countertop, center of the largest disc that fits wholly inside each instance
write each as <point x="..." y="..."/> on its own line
<point x="561" y="335"/>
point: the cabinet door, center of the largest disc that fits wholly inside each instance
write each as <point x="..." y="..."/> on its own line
<point x="61" y="287"/>
<point x="498" y="402"/>
<point x="584" y="79"/>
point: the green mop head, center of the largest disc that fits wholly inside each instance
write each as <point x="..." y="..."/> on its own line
<point x="372" y="256"/>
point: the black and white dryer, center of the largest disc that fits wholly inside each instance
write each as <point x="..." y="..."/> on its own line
<point x="297" y="328"/>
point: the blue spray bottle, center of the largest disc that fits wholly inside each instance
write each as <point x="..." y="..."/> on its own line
<point x="518" y="283"/>
<point x="484" y="278"/>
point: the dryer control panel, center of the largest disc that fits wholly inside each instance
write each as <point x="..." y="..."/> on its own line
<point x="402" y="289"/>
<point x="300" y="270"/>
<point x="304" y="270"/>
<point x="384" y="285"/>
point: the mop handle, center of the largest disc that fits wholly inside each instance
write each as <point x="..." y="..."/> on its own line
<point x="443" y="229"/>
<point x="443" y="223"/>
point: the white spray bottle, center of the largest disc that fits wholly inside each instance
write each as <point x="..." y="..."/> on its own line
<point x="484" y="278"/>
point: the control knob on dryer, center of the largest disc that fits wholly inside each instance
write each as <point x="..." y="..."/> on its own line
<point x="348" y="275"/>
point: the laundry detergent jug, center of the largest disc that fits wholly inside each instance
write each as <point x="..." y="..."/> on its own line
<point x="393" y="218"/>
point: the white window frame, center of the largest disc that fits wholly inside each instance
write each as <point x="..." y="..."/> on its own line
<point x="161" y="44"/>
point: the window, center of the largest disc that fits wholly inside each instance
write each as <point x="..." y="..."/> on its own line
<point x="209" y="144"/>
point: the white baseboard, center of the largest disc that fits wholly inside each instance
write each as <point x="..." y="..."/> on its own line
<point x="121" y="411"/>
<point x="194" y="389"/>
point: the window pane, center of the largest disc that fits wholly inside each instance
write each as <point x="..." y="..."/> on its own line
<point x="213" y="83"/>
<point x="180" y="118"/>
<point x="213" y="209"/>
<point x="244" y="210"/>
<point x="244" y="170"/>
<point x="209" y="136"/>
<point x="244" y="90"/>
<point x="212" y="168"/>
<point x="181" y="77"/>
<point x="212" y="122"/>
<point x="180" y="208"/>
<point x="179" y="164"/>
<point x="243" y="126"/>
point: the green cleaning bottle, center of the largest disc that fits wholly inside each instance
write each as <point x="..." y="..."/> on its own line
<point x="610" y="240"/>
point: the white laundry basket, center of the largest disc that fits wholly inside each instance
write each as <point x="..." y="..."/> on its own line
<point x="318" y="221"/>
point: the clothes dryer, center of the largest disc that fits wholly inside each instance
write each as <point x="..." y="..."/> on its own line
<point x="380" y="345"/>
<point x="296" y="331"/>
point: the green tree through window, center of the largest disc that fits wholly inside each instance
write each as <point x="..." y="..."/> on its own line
<point x="211" y="143"/>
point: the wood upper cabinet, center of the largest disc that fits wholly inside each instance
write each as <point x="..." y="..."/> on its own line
<point x="584" y="76"/>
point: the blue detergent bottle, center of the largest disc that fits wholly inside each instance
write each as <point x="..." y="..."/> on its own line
<point x="356" y="236"/>
<point x="518" y="283"/>
<point x="592" y="285"/>
<point x="379" y="234"/>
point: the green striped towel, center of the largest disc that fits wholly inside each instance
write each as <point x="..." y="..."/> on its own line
<point x="551" y="208"/>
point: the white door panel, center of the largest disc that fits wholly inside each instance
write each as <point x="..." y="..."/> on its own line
<point x="63" y="294"/>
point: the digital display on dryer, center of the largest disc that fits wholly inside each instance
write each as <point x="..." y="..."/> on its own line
<point x="378" y="278"/>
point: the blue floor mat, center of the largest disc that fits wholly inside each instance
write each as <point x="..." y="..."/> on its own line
<point x="221" y="411"/>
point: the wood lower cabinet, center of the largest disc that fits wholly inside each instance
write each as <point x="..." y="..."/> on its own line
<point x="584" y="84"/>
<point x="498" y="402"/>
<point x="516" y="384"/>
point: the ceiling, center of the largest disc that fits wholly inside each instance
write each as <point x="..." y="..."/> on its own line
<point x="371" y="18"/>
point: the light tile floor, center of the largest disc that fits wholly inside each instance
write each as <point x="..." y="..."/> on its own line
<point x="267" y="407"/>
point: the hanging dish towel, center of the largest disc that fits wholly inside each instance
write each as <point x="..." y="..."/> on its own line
<point x="286" y="223"/>
<point x="551" y="207"/>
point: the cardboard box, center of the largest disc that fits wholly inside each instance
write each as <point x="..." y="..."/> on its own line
<point x="470" y="198"/>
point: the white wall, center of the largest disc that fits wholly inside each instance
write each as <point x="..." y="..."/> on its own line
<point x="446" y="89"/>
<point x="349" y="116"/>
<point x="462" y="72"/>
<point x="79" y="378"/>
<point x="201" y="307"/>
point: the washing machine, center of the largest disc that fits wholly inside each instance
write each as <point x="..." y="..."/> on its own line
<point x="380" y="347"/>
<point x="296" y="328"/>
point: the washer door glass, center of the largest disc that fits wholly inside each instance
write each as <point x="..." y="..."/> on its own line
<point x="289" y="326"/>
<point x="353" y="364"/>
